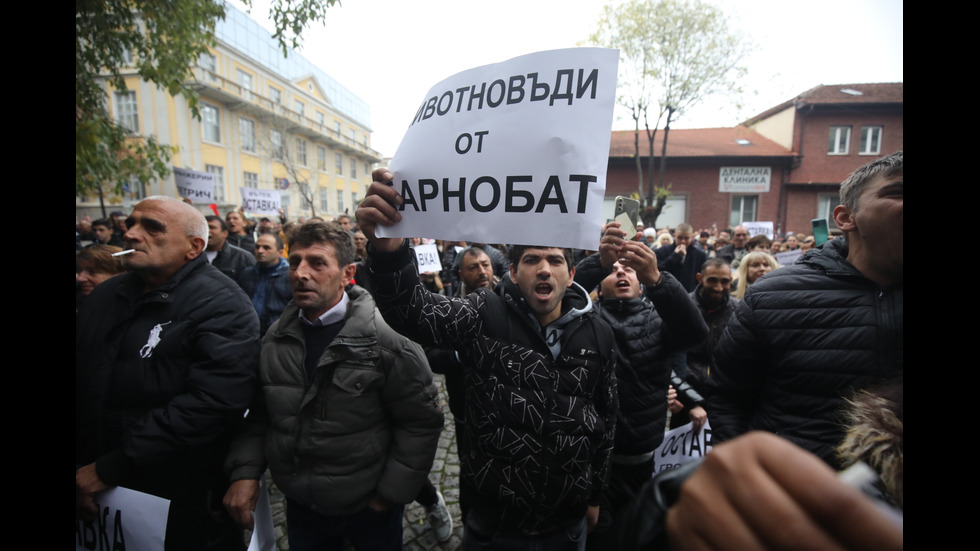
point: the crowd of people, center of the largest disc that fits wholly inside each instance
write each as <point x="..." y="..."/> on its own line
<point x="211" y="350"/>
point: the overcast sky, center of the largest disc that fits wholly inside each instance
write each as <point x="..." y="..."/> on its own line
<point x="390" y="52"/>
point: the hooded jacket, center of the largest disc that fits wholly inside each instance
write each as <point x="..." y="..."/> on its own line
<point x="803" y="338"/>
<point x="540" y="418"/>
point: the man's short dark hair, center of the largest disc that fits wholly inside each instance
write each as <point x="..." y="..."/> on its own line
<point x="472" y="250"/>
<point x="517" y="251"/>
<point x="714" y="263"/>
<point x="885" y="167"/>
<point x="219" y="220"/>
<point x="314" y="233"/>
<point x="279" y="244"/>
<point x="105" y="222"/>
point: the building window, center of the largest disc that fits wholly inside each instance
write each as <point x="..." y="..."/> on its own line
<point x="251" y="180"/>
<point x="353" y="200"/>
<point x="219" y="182"/>
<point x="305" y="200"/>
<point x="324" y="200"/>
<point x="275" y="137"/>
<point x="871" y="140"/>
<point x="367" y="169"/>
<point x="353" y="168"/>
<point x="743" y="209"/>
<point x="336" y="127"/>
<point x="321" y="119"/>
<point x="826" y="203"/>
<point x="126" y="57"/>
<point x="210" y="64"/>
<point x="340" y="201"/>
<point x="300" y="108"/>
<point x="301" y="151"/>
<point x="247" y="129"/>
<point x="210" y="123"/>
<point x="245" y="84"/>
<point x="275" y="95"/>
<point x="840" y="140"/>
<point x="127" y="111"/>
<point x="321" y="158"/>
<point x="339" y="164"/>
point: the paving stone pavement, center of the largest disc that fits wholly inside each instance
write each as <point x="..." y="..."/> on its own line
<point x="416" y="533"/>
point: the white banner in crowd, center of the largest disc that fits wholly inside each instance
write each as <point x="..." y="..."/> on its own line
<point x="127" y="519"/>
<point x="264" y="534"/>
<point x="682" y="445"/>
<point x="513" y="152"/>
<point x="261" y="201"/>
<point x="787" y="258"/>
<point x="428" y="257"/>
<point x="759" y="228"/>
<point x="194" y="185"/>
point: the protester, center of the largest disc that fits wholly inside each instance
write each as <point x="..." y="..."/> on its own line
<point x="347" y="420"/>
<point x="651" y="317"/>
<point x="751" y="267"/>
<point x="533" y="481"/>
<point x="165" y="367"/>
<point x="806" y="334"/>
<point x="267" y="281"/>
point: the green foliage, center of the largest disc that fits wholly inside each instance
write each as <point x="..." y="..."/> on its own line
<point x="165" y="39"/>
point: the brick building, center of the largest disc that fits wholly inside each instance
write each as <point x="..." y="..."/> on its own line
<point x="809" y="145"/>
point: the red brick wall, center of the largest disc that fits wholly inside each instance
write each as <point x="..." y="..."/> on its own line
<point x="698" y="181"/>
<point x="818" y="167"/>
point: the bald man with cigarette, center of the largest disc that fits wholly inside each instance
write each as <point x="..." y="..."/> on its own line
<point x="166" y="358"/>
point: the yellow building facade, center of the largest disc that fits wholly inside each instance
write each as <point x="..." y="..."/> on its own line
<point x="267" y="122"/>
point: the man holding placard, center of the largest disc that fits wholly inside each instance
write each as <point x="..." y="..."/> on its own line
<point x="540" y="384"/>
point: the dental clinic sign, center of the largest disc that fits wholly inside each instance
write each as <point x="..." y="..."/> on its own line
<point x="744" y="179"/>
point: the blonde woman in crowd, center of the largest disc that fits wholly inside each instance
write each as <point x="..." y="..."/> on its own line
<point x="752" y="266"/>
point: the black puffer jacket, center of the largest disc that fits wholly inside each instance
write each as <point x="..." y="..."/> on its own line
<point x="540" y="428"/>
<point x="162" y="378"/>
<point x="647" y="329"/>
<point x="700" y="357"/>
<point x="804" y="337"/>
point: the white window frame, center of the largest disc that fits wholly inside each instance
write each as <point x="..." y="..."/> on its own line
<point x="275" y="95"/>
<point x="219" y="182"/>
<point x="321" y="158"/>
<point x="246" y="128"/>
<point x="321" y="118"/>
<point x="339" y="164"/>
<point x="127" y="110"/>
<point x="301" y="151"/>
<point x="340" y="201"/>
<point x="210" y="123"/>
<point x="839" y="134"/>
<point x="866" y="142"/>
<point x="209" y="63"/>
<point x="739" y="213"/>
<point x="275" y="138"/>
<point x="250" y="179"/>
<point x="300" y="108"/>
<point x="353" y="167"/>
<point x="246" y="81"/>
<point x="324" y="200"/>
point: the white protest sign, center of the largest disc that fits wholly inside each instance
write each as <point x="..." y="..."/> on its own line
<point x="264" y="535"/>
<point x="787" y="258"/>
<point x="514" y="152"/>
<point x="194" y="185"/>
<point x="126" y="519"/>
<point x="682" y="445"/>
<point x="428" y="257"/>
<point x="759" y="228"/>
<point x="261" y="201"/>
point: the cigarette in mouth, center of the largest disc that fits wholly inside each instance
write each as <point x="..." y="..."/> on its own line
<point x="127" y="251"/>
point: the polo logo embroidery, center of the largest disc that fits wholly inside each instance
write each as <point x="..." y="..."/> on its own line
<point x="153" y="341"/>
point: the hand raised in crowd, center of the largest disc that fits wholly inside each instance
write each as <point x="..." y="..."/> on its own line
<point x="759" y="491"/>
<point x="673" y="404"/>
<point x="613" y="247"/>
<point x="379" y="207"/>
